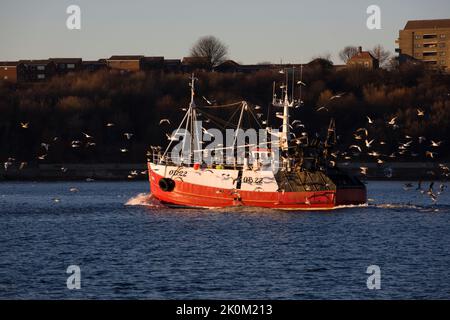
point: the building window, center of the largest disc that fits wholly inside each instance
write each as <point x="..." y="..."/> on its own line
<point x="443" y="36"/>
<point x="418" y="45"/>
<point x="6" y="68"/>
<point x="429" y="54"/>
<point x="70" y="66"/>
<point x="418" y="37"/>
<point x="442" y="61"/>
<point x="429" y="36"/>
<point x="40" y="68"/>
<point x="442" y="45"/>
<point x="442" y="53"/>
<point x="41" y="76"/>
<point x="418" y="55"/>
<point x="430" y="45"/>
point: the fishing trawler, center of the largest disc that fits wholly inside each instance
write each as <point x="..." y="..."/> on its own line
<point x="280" y="171"/>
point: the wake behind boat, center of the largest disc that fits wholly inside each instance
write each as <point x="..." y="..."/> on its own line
<point x="277" y="171"/>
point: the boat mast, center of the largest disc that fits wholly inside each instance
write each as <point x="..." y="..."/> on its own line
<point x="285" y="103"/>
<point x="191" y="124"/>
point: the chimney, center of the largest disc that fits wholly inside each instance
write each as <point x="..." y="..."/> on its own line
<point x="359" y="49"/>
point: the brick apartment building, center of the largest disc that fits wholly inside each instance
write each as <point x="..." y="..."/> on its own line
<point x="66" y="65"/>
<point x="427" y="41"/>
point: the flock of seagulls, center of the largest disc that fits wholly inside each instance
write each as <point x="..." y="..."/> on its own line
<point x="87" y="142"/>
<point x="430" y="191"/>
<point x="364" y="144"/>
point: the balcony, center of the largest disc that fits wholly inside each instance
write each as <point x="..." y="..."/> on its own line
<point x="430" y="36"/>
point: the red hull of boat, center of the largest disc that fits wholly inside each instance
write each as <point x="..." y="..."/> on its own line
<point x="192" y="195"/>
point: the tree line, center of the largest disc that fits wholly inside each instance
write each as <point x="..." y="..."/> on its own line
<point x="85" y="117"/>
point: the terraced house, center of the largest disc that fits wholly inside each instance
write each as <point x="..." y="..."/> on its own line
<point x="9" y="71"/>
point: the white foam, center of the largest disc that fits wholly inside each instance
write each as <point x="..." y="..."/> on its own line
<point x="144" y="199"/>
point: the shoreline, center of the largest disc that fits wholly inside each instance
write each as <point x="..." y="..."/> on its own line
<point x="411" y="171"/>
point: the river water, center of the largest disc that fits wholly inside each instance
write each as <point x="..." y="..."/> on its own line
<point x="128" y="246"/>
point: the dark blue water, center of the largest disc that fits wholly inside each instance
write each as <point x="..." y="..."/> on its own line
<point x="135" y="251"/>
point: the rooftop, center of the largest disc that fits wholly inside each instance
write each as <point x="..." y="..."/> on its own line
<point x="362" y="55"/>
<point x="132" y="57"/>
<point x="35" y="62"/>
<point x="9" y="63"/>
<point x="195" y="60"/>
<point x="427" y="24"/>
<point x="66" y="60"/>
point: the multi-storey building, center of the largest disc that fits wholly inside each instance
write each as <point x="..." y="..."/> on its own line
<point x="427" y="41"/>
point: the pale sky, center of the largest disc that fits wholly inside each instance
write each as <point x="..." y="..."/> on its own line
<point x="254" y="30"/>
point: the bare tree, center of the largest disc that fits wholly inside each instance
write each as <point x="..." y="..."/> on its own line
<point x="347" y="53"/>
<point x="383" y="56"/>
<point x="211" y="48"/>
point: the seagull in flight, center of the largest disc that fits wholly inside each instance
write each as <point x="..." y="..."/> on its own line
<point x="207" y="132"/>
<point x="128" y="135"/>
<point x="370" y="121"/>
<point x="207" y="101"/>
<point x="321" y="108"/>
<point x="366" y="132"/>
<point x="369" y="143"/>
<point x="87" y="136"/>
<point x="164" y="120"/>
<point x="430" y="154"/>
<point x="420" y="113"/>
<point x="45" y="146"/>
<point x="337" y="96"/>
<point x="24" y="125"/>
<point x="355" y="147"/>
<point x="171" y="138"/>
<point x="392" y="122"/>
<point x="436" y="144"/>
